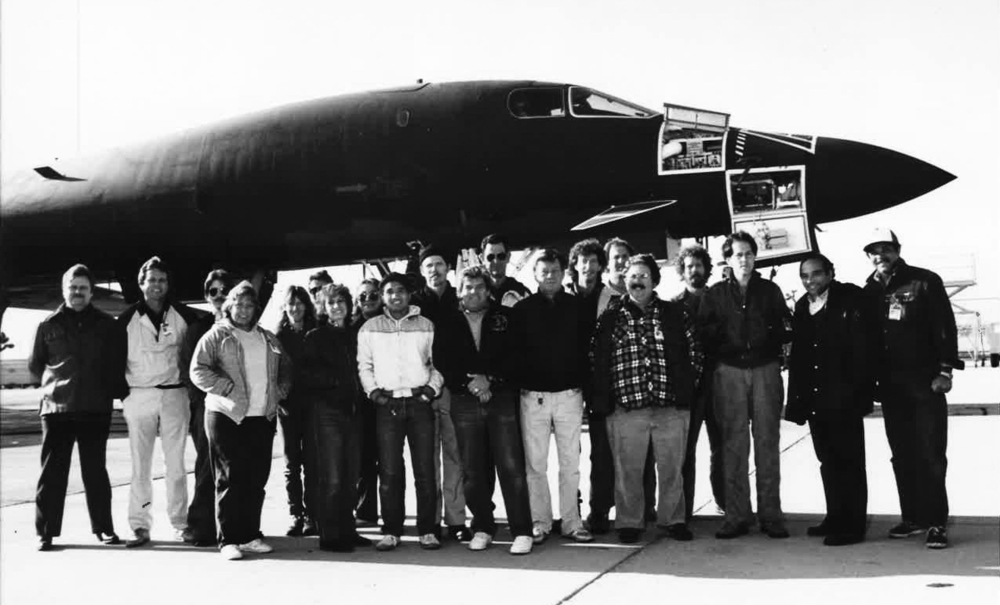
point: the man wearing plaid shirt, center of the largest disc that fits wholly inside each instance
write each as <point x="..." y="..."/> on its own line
<point x="646" y="366"/>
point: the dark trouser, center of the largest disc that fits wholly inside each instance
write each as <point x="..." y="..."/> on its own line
<point x="839" y="441"/>
<point x="335" y="440"/>
<point x="916" y="425"/>
<point x="367" y="502"/>
<point x="59" y="432"/>
<point x="298" y="463"/>
<point x="413" y="420"/>
<point x="602" y="470"/>
<point x="489" y="441"/>
<point x="201" y="512"/>
<point x="241" y="461"/>
<point x="704" y="411"/>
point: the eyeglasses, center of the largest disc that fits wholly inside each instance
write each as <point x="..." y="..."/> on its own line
<point x="315" y="291"/>
<point x="498" y="256"/>
<point x="213" y="292"/>
<point x="366" y="296"/>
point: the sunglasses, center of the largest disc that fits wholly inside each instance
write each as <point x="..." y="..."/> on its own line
<point x="315" y="291"/>
<point x="213" y="292"/>
<point x="366" y="296"/>
<point x="499" y="256"/>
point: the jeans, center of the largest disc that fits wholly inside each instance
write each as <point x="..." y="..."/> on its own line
<point x="201" y="512"/>
<point x="59" y="432"/>
<point x="298" y="462"/>
<point x="335" y="440"/>
<point x="916" y="425"/>
<point x="631" y="434"/>
<point x="489" y="439"/>
<point x="704" y="412"/>
<point x="367" y="504"/>
<point x="839" y="441"/>
<point x="448" y="473"/>
<point x="241" y="461"/>
<point x="145" y="411"/>
<point x="543" y="413"/>
<point x="413" y="420"/>
<point x="750" y="396"/>
<point x="602" y="470"/>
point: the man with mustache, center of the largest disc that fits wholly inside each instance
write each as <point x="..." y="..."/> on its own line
<point x="647" y="363"/>
<point x="74" y="356"/>
<point x="914" y="367"/>
<point x="745" y="323"/>
<point x="694" y="266"/>
<point x="201" y="513"/>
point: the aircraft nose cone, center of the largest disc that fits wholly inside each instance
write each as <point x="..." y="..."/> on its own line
<point x="851" y="179"/>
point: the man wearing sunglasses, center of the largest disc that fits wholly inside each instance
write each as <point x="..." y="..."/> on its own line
<point x="505" y="290"/>
<point x="316" y="282"/>
<point x="201" y="512"/>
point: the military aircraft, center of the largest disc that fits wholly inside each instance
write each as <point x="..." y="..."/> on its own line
<point x="359" y="176"/>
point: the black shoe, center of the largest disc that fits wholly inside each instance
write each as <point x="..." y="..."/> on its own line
<point x="598" y="524"/>
<point x="906" y="529"/>
<point x="774" y="530"/>
<point x="359" y="540"/>
<point x="650" y="515"/>
<point x="835" y="539"/>
<point x="109" y="538"/>
<point x="556" y="527"/>
<point x="680" y="532"/>
<point x="295" y="528"/>
<point x="629" y="535"/>
<point x="729" y="531"/>
<point x="336" y="545"/>
<point x="44" y="544"/>
<point x="818" y="531"/>
<point x="937" y="537"/>
<point x="309" y="527"/>
<point x="459" y="533"/>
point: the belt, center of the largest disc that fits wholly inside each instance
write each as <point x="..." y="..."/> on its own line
<point x="167" y="387"/>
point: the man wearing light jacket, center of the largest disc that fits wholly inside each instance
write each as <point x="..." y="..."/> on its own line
<point x="397" y="374"/>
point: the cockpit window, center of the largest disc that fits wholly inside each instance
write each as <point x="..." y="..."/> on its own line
<point x="586" y="102"/>
<point x="536" y="103"/>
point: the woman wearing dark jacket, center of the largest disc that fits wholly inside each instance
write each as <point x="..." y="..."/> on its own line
<point x="297" y="319"/>
<point x="329" y="379"/>
<point x="368" y="305"/>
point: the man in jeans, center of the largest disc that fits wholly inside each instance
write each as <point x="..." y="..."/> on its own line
<point x="745" y="324"/>
<point x="474" y="358"/>
<point x="550" y="350"/>
<point x="398" y="375"/>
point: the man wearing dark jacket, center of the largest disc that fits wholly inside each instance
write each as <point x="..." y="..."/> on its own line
<point x="74" y="356"/>
<point x="830" y="386"/>
<point x="918" y="352"/>
<point x="474" y="356"/>
<point x="745" y="323"/>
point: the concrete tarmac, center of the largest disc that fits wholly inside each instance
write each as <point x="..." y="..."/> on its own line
<point x="752" y="569"/>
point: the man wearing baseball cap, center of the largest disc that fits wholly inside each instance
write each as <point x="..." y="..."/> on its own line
<point x="913" y="365"/>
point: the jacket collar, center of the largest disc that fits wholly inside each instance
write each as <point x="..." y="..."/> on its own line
<point x="900" y="269"/>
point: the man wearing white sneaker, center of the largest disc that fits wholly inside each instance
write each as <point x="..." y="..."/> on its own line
<point x="397" y="373"/>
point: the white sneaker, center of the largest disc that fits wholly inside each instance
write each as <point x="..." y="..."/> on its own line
<point x="522" y="545"/>
<point x="178" y="535"/>
<point x="256" y="546"/>
<point x="480" y="541"/>
<point x="231" y="552"/>
<point x="539" y="534"/>
<point x="429" y="542"/>
<point x="388" y="542"/>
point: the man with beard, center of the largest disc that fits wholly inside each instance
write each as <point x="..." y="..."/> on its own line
<point x="830" y="386"/>
<point x="505" y="290"/>
<point x="435" y="300"/>
<point x="647" y="363"/>
<point x="913" y="368"/>
<point x="74" y="356"/>
<point x="745" y="323"/>
<point x="694" y="266"/>
<point x="201" y="513"/>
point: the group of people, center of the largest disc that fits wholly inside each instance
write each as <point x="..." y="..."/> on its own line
<point x="478" y="379"/>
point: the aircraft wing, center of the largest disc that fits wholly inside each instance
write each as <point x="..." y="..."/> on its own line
<point x="616" y="213"/>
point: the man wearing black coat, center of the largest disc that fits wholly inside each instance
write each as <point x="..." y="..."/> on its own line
<point x="830" y="385"/>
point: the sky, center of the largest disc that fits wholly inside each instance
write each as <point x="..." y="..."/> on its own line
<point x="920" y="77"/>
